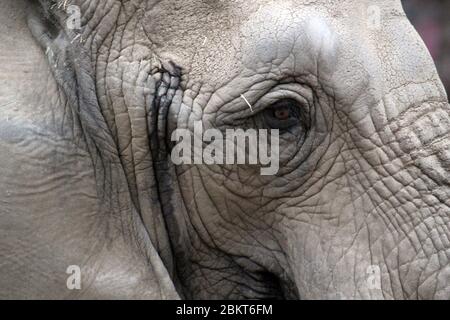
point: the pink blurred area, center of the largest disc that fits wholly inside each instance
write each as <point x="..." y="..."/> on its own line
<point x="431" y="18"/>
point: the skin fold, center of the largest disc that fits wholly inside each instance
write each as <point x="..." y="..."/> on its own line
<point x="86" y="177"/>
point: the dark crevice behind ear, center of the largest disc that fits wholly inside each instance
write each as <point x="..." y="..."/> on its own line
<point x="167" y="88"/>
<point x="159" y="136"/>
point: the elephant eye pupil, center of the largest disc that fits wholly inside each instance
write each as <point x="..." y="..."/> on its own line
<point x="282" y="114"/>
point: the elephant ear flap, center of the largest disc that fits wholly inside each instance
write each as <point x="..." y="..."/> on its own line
<point x="72" y="69"/>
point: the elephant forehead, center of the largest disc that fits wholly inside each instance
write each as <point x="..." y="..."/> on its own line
<point x="215" y="40"/>
<point x="212" y="47"/>
<point x="294" y="42"/>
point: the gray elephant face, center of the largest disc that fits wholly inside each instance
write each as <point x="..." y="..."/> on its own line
<point x="359" y="207"/>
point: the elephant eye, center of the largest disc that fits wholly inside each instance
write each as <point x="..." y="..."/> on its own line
<point x="283" y="114"/>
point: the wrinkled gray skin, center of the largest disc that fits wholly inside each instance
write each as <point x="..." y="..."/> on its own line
<point x="85" y="175"/>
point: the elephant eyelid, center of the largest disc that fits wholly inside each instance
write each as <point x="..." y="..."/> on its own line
<point x="283" y="114"/>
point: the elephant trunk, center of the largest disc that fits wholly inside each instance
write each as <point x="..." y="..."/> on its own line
<point x="379" y="232"/>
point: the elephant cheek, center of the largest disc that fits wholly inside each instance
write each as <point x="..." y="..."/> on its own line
<point x="332" y="266"/>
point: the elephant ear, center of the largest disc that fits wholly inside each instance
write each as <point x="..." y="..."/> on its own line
<point x="123" y="229"/>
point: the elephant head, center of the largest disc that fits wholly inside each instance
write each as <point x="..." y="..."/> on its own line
<point x="359" y="208"/>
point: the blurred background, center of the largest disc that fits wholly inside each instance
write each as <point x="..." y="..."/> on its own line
<point x="432" y="20"/>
